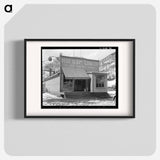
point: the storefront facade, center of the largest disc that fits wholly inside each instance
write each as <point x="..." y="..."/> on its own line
<point x="81" y="75"/>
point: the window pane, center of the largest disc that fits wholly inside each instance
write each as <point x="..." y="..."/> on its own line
<point x="100" y="81"/>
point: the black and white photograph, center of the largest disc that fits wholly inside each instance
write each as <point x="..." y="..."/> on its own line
<point x="79" y="77"/>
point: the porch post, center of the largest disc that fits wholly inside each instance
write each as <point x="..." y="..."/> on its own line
<point x="86" y="84"/>
<point x="73" y="85"/>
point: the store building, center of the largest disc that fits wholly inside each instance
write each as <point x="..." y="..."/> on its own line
<point x="77" y="74"/>
<point x="80" y="74"/>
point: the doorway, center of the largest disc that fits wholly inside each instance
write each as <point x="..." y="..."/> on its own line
<point x="82" y="85"/>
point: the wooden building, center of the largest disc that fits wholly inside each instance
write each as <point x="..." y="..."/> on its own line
<point x="77" y="74"/>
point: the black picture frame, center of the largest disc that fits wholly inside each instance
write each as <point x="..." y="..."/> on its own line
<point x="84" y="107"/>
<point x="25" y="76"/>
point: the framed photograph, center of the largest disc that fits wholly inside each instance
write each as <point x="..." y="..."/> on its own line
<point x="79" y="78"/>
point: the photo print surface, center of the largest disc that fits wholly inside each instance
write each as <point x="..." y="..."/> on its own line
<point x="79" y="77"/>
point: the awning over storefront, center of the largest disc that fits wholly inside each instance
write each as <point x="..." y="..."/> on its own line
<point x="75" y="73"/>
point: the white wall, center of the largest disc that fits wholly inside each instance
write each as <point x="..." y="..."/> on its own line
<point x="53" y="85"/>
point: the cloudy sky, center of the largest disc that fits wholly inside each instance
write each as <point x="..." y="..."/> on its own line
<point x="96" y="54"/>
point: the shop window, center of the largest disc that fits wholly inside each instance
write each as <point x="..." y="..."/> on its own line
<point x="68" y="82"/>
<point x="100" y="81"/>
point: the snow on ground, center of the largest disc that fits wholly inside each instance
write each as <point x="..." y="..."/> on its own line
<point x="79" y="103"/>
<point x="112" y="93"/>
<point x="53" y="100"/>
<point x="47" y="96"/>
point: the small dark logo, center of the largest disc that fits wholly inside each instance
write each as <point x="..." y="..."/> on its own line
<point x="8" y="8"/>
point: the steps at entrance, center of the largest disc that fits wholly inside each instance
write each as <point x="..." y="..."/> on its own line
<point x="86" y="95"/>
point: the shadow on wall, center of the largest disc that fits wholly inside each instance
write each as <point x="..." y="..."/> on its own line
<point x="14" y="79"/>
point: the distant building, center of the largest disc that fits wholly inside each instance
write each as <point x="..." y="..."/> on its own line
<point x="108" y="64"/>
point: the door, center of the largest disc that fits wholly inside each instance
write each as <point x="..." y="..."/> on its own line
<point x="80" y="85"/>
